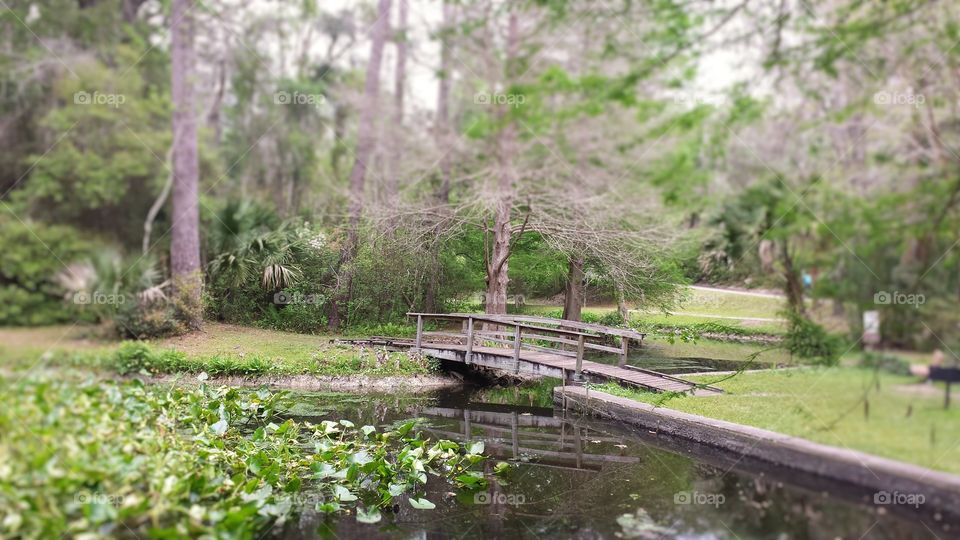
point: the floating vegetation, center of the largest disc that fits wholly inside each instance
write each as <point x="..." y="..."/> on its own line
<point x="97" y="459"/>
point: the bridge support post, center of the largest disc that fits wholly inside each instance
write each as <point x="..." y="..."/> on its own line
<point x="469" y="356"/>
<point x="578" y="376"/>
<point x="419" y="332"/>
<point x="624" y="343"/>
<point x="516" y="349"/>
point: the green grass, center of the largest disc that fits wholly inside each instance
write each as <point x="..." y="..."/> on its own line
<point x="731" y="304"/>
<point x="220" y="349"/>
<point x="657" y="346"/>
<point x="902" y="420"/>
<point x="689" y="321"/>
<point x="729" y="309"/>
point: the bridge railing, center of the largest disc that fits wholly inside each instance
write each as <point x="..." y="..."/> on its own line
<point x="513" y="330"/>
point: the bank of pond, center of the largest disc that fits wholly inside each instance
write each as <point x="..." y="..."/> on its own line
<point x="86" y="456"/>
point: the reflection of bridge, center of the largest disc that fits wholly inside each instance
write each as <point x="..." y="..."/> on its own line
<point x="562" y="447"/>
<point x="538" y="346"/>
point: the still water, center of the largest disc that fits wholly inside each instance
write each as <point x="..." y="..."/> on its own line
<point x="591" y="479"/>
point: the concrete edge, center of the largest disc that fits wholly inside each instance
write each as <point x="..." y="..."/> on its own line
<point x="863" y="470"/>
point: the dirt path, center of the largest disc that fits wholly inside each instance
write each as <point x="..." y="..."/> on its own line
<point x="741" y="292"/>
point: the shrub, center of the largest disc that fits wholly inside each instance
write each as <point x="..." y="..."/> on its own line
<point x="808" y="340"/>
<point x="885" y="362"/>
<point x="143" y="320"/>
<point x="611" y="318"/>
<point x="298" y="310"/>
<point x="388" y="329"/>
<point x="132" y="357"/>
<point x="137" y="356"/>
<point x="29" y="294"/>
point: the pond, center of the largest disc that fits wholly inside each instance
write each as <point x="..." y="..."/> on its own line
<point x="578" y="477"/>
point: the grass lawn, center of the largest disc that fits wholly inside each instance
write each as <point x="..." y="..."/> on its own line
<point x="680" y="320"/>
<point x="757" y="313"/>
<point x="731" y="304"/>
<point x="218" y="349"/>
<point x="655" y="346"/>
<point x="901" y="420"/>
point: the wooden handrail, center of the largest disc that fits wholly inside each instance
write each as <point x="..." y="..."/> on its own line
<point x="599" y="328"/>
<point x="494" y="334"/>
<point x="491" y="319"/>
<point x="519" y="323"/>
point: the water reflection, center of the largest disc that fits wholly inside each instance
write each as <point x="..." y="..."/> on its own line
<point x="582" y="478"/>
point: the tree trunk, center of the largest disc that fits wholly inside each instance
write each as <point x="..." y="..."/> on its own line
<point x="130" y="8"/>
<point x="441" y="132"/>
<point x="497" y="262"/>
<point x="366" y="142"/>
<point x="399" y="93"/>
<point x="573" y="298"/>
<point x="793" y="286"/>
<point x="185" y="235"/>
<point x="622" y="309"/>
<point x="442" y="127"/>
<point x="339" y="132"/>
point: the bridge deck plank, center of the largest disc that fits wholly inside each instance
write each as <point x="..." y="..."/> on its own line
<point x="651" y="380"/>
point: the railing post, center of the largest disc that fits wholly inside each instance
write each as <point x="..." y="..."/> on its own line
<point x="516" y="348"/>
<point x="624" y="343"/>
<point x="577" y="375"/>
<point x="515" y="435"/>
<point x="469" y="357"/>
<point x="419" y="332"/>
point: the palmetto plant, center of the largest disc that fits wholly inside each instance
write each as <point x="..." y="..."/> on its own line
<point x="108" y="276"/>
<point x="248" y="241"/>
<point x="107" y="272"/>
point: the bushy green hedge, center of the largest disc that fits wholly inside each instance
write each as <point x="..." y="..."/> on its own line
<point x="33" y="254"/>
<point x="810" y="341"/>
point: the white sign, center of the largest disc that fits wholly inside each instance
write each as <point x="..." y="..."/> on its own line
<point x="871" y="327"/>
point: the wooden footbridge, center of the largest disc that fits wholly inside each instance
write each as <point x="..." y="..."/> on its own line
<point x="536" y="346"/>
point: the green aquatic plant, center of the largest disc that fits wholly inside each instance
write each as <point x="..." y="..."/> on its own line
<point x="98" y="459"/>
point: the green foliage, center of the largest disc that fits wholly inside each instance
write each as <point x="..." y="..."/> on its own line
<point x="810" y="341"/>
<point x="391" y="329"/>
<point x="266" y="272"/>
<point x="885" y="362"/>
<point x="534" y="394"/>
<point x="198" y="462"/>
<point x="738" y="227"/>
<point x="141" y="357"/>
<point x="33" y="255"/>
<point x="137" y="356"/>
<point x="146" y="320"/>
